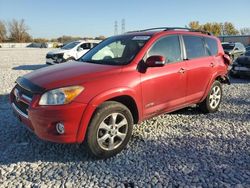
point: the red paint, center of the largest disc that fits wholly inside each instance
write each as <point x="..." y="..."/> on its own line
<point x="157" y="90"/>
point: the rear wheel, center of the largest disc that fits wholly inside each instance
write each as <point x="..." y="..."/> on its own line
<point x="110" y="129"/>
<point x="213" y="99"/>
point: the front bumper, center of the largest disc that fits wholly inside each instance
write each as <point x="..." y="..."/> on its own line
<point x="50" y="61"/>
<point x="42" y="120"/>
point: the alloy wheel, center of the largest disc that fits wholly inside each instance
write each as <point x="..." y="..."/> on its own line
<point x="215" y="97"/>
<point x="112" y="131"/>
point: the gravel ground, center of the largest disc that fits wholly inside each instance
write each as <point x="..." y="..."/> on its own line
<point x="182" y="149"/>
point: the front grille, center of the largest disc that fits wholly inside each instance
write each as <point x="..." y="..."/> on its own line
<point x="22" y="106"/>
<point x="49" y="56"/>
<point x="23" y="91"/>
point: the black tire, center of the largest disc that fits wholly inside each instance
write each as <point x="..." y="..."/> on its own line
<point x="212" y="102"/>
<point x="104" y="115"/>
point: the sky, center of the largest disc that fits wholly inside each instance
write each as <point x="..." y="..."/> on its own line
<point x="90" y="18"/>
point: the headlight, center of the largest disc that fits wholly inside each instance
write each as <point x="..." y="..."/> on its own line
<point x="60" y="96"/>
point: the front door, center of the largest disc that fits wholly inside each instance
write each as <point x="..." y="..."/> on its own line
<point x="164" y="88"/>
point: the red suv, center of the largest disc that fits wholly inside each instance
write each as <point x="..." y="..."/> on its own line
<point x="120" y="82"/>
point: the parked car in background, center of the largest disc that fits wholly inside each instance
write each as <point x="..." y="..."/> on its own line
<point x="37" y="45"/>
<point x="248" y="48"/>
<point x="122" y="81"/>
<point x="241" y="66"/>
<point x="71" y="51"/>
<point x="234" y="50"/>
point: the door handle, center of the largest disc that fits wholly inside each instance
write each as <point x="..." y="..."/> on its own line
<point x="182" y="70"/>
<point x="212" y="64"/>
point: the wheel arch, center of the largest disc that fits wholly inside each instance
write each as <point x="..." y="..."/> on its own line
<point x="222" y="78"/>
<point x="125" y="96"/>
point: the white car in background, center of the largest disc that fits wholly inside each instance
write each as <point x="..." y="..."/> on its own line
<point x="71" y="51"/>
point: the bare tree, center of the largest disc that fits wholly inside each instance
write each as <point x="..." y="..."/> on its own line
<point x="19" y="31"/>
<point x="245" y="31"/>
<point x="3" y="32"/>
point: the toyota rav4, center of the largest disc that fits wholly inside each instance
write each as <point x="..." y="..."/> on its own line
<point x="120" y="82"/>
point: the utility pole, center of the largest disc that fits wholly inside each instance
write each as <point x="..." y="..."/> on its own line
<point x="116" y="28"/>
<point x="123" y="26"/>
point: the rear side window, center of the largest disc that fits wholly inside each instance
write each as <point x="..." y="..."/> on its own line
<point x="241" y="47"/>
<point x="194" y="47"/>
<point x="168" y="47"/>
<point x="211" y="46"/>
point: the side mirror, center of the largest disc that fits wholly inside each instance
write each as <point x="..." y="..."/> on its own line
<point x="236" y="49"/>
<point x="155" y="61"/>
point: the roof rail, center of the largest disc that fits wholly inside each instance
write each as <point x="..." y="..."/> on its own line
<point x="172" y="28"/>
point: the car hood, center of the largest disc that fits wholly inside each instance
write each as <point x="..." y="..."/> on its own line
<point x="57" y="51"/>
<point x="66" y="74"/>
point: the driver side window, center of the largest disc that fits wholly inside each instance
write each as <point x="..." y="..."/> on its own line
<point x="85" y="46"/>
<point x="168" y="47"/>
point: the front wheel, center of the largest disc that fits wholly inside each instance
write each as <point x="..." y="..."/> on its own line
<point x="110" y="129"/>
<point x="213" y="99"/>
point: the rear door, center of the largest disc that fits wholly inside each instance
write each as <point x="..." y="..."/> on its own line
<point x="199" y="67"/>
<point x="164" y="88"/>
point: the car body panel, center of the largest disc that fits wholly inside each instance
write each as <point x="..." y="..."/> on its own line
<point x="154" y="90"/>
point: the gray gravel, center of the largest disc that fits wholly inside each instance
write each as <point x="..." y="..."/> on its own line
<point x="181" y="149"/>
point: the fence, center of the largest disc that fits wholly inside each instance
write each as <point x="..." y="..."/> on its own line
<point x="244" y="39"/>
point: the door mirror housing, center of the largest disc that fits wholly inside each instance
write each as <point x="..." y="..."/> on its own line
<point x="155" y="61"/>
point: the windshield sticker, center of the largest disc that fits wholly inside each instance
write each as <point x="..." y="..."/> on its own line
<point x="141" y="37"/>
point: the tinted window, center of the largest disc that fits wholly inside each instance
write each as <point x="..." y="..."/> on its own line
<point x="168" y="47"/>
<point x="211" y="46"/>
<point x="194" y="47"/>
<point x="70" y="45"/>
<point x="228" y="46"/>
<point x="86" y="46"/>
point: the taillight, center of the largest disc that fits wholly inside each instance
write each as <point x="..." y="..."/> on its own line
<point x="227" y="59"/>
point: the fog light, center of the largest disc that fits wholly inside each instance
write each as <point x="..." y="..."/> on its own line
<point x="60" y="128"/>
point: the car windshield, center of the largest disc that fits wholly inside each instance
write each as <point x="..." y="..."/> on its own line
<point x="70" y="45"/>
<point x="117" y="50"/>
<point x="228" y="46"/>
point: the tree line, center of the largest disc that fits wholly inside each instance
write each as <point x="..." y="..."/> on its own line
<point x="226" y="28"/>
<point x="17" y="31"/>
